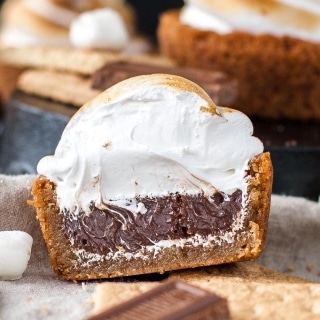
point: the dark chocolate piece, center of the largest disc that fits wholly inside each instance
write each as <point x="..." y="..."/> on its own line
<point x="172" y="300"/>
<point x="218" y="85"/>
<point x="166" y="218"/>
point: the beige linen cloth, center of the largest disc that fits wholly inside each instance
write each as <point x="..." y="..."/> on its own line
<point x="293" y="244"/>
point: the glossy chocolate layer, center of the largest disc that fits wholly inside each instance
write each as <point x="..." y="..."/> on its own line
<point x="166" y="218"/>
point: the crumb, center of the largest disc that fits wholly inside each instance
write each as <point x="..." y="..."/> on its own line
<point x="310" y="267"/>
<point x="106" y="145"/>
<point x="290" y="268"/>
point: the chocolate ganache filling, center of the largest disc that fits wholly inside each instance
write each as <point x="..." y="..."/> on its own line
<point x="165" y="218"/>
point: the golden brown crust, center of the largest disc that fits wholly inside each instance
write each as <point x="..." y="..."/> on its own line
<point x="248" y="244"/>
<point x="259" y="193"/>
<point x="278" y="76"/>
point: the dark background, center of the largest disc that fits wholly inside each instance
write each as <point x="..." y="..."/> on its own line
<point x="148" y="12"/>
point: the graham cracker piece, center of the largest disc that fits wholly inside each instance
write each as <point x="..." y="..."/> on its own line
<point x="64" y="75"/>
<point x="72" y="60"/>
<point x="253" y="292"/>
<point x="63" y="87"/>
<point x="262" y="301"/>
<point x="257" y="292"/>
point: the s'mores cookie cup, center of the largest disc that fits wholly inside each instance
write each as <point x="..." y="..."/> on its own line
<point x="271" y="47"/>
<point x="152" y="176"/>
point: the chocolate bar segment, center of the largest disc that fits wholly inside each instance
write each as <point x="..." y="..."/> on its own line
<point x="218" y="85"/>
<point x="172" y="300"/>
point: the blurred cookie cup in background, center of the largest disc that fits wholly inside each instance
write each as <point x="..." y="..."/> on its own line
<point x="271" y="47"/>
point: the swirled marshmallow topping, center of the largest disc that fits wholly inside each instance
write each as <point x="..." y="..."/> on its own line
<point x="150" y="136"/>
<point x="296" y="18"/>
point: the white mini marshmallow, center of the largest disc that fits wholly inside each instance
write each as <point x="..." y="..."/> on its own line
<point x="15" y="251"/>
<point x="102" y="28"/>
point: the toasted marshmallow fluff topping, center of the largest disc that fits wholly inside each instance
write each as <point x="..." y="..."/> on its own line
<point x="150" y="136"/>
<point x="295" y="18"/>
<point x="101" y="28"/>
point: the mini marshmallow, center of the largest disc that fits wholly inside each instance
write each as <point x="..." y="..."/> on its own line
<point x="102" y="28"/>
<point x="15" y="251"/>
